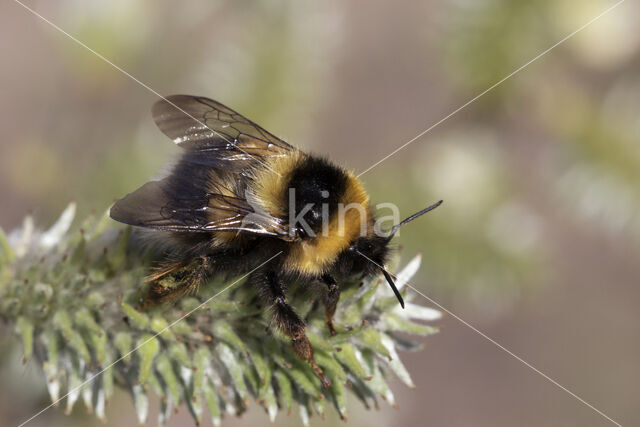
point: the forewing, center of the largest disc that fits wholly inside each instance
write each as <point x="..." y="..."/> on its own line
<point x="154" y="205"/>
<point x="215" y="135"/>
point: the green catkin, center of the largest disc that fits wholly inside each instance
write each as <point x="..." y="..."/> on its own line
<point x="71" y="298"/>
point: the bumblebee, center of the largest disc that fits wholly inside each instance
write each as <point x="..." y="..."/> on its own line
<point x="239" y="196"/>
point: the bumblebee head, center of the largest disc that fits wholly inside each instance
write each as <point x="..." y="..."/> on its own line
<point x="368" y="254"/>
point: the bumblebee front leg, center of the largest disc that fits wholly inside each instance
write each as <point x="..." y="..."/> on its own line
<point x="288" y="322"/>
<point x="175" y="279"/>
<point x="330" y="300"/>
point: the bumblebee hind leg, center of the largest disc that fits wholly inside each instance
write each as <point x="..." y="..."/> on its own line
<point x="174" y="280"/>
<point x="330" y="300"/>
<point x="287" y="321"/>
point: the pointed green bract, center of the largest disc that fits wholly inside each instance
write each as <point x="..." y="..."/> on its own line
<point x="136" y="318"/>
<point x="25" y="328"/>
<point x="234" y="368"/>
<point x="212" y="403"/>
<point x="286" y="393"/>
<point x="147" y="349"/>
<point x="167" y="373"/>
<point x="373" y="340"/>
<point x="123" y="341"/>
<point x="62" y="321"/>
<point x="328" y="363"/>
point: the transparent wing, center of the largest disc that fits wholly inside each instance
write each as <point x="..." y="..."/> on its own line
<point x="215" y="135"/>
<point x="154" y="205"/>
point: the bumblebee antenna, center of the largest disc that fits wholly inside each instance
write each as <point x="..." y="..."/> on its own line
<point x="386" y="276"/>
<point x="395" y="228"/>
<point x="393" y="286"/>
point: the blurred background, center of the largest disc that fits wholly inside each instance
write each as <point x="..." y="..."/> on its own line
<point x="536" y="245"/>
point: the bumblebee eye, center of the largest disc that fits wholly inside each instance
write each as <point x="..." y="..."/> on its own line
<point x="300" y="231"/>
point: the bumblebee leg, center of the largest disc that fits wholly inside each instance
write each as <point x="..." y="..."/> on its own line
<point x="175" y="280"/>
<point x="330" y="300"/>
<point x="288" y="322"/>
